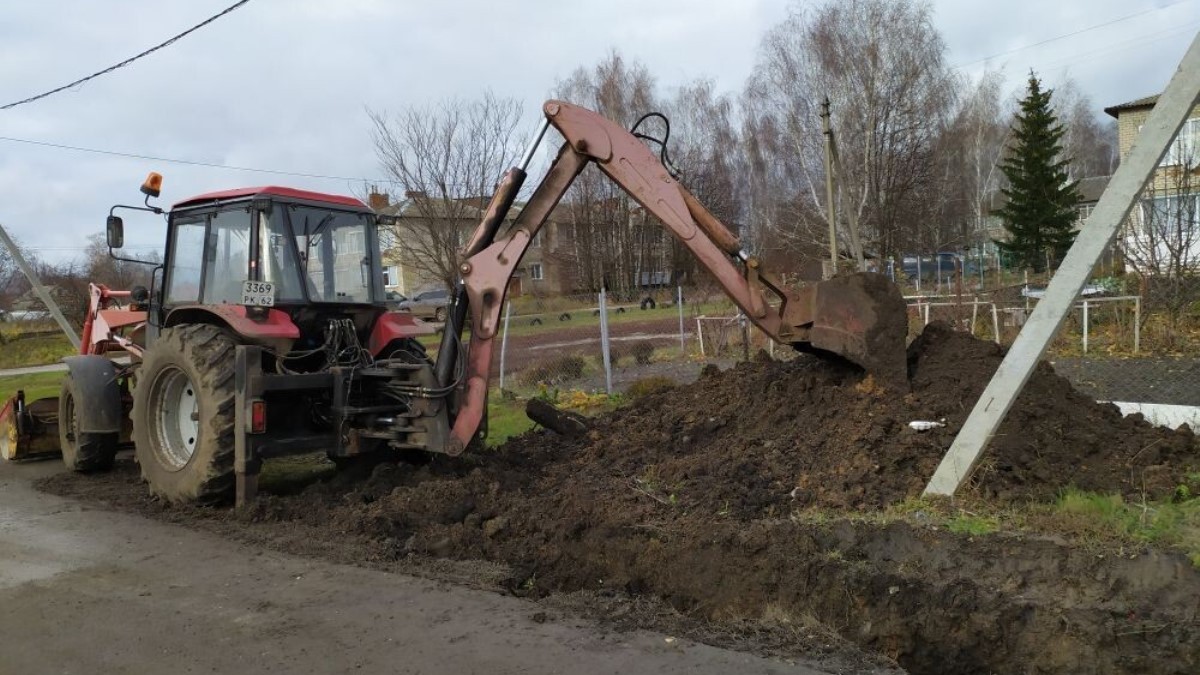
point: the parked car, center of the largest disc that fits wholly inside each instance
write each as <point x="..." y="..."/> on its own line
<point x="433" y="303"/>
<point x="929" y="266"/>
<point x="393" y="300"/>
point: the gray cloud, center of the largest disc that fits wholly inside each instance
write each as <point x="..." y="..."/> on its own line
<point x="284" y="83"/>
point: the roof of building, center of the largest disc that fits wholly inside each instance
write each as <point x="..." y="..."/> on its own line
<point x="1145" y="102"/>
<point x="1091" y="188"/>
<point x="273" y="191"/>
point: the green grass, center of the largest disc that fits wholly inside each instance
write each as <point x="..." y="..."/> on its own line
<point x="36" y="385"/>
<point x="35" y="351"/>
<point x="972" y="525"/>
<point x="1109" y="519"/>
<point x="506" y="418"/>
<point x="1090" y="520"/>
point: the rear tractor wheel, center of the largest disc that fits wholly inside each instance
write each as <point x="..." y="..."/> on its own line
<point x="183" y="415"/>
<point x="81" y="451"/>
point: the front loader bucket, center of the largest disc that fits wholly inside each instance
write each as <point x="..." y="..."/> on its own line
<point x="28" y="430"/>
<point x="862" y="317"/>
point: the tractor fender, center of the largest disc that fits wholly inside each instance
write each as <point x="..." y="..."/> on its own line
<point x="99" y="396"/>
<point x="273" y="325"/>
<point x="273" y="329"/>
<point x="395" y="326"/>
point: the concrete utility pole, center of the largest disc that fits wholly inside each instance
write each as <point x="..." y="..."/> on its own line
<point x="833" y="247"/>
<point x="1167" y="117"/>
<point x="39" y="289"/>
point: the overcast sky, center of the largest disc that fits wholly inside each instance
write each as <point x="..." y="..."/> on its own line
<point x="283" y="84"/>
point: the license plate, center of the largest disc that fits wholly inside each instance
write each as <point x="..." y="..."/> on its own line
<point x="258" y="293"/>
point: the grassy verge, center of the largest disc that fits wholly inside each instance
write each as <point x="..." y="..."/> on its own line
<point x="1104" y="523"/>
<point x="34" y="351"/>
<point x="36" y="385"/>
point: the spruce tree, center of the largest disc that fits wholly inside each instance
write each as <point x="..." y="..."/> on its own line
<point x="1040" y="209"/>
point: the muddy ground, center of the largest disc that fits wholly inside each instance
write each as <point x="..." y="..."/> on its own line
<point x="730" y="510"/>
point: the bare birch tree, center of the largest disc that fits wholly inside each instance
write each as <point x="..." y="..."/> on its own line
<point x="1089" y="143"/>
<point x="611" y="243"/>
<point x="1162" y="239"/>
<point x="447" y="158"/>
<point x="880" y="63"/>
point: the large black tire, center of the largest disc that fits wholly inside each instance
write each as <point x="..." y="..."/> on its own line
<point x="82" y="452"/>
<point x="183" y="415"/>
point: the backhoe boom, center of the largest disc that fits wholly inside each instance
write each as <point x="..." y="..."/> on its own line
<point x="861" y="317"/>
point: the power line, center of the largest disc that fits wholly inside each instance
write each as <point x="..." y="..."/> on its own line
<point x="128" y="60"/>
<point x="189" y="162"/>
<point x="215" y="165"/>
<point x="1067" y="35"/>
<point x="1123" y="45"/>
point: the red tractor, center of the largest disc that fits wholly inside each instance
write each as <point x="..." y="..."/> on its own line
<point x="267" y="332"/>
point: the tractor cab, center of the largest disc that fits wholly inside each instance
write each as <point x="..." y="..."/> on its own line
<point x="272" y="246"/>
<point x="263" y="253"/>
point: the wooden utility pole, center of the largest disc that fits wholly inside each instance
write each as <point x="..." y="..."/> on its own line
<point x="833" y="247"/>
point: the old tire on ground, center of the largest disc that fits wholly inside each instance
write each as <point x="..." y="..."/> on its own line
<point x="183" y="415"/>
<point x="82" y="452"/>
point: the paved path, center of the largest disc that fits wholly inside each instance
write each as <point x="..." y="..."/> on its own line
<point x="90" y="591"/>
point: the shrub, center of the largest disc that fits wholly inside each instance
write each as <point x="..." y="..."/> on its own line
<point x="557" y="369"/>
<point x="649" y="385"/>
<point x="642" y="351"/>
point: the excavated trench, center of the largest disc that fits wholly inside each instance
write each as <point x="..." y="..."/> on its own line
<point x="738" y="501"/>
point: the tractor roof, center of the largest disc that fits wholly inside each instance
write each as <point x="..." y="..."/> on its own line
<point x="271" y="191"/>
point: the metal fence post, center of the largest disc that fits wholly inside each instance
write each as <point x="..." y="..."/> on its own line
<point x="700" y="337"/>
<point x="744" y="324"/>
<point x="996" y="322"/>
<point x="1137" y="323"/>
<point x="1085" y="326"/>
<point x="604" y="346"/>
<point x="504" y="341"/>
<point x="679" y="302"/>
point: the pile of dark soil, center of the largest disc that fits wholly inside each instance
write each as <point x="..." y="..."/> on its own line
<point x="689" y="496"/>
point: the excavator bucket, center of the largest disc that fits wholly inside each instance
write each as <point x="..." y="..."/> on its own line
<point x="28" y="430"/>
<point x="862" y="317"/>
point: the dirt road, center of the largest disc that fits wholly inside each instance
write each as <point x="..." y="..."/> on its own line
<point x="93" y="591"/>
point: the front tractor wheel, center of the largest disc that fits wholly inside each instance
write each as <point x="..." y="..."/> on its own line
<point x="81" y="451"/>
<point x="183" y="415"/>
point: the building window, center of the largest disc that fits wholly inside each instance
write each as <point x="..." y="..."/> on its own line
<point x="1085" y="212"/>
<point x="537" y="240"/>
<point x="391" y="276"/>
<point x="387" y="239"/>
<point x="1173" y="215"/>
<point x="1183" y="150"/>
<point x="535" y="272"/>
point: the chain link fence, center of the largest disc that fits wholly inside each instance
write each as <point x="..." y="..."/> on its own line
<point x="592" y="342"/>
<point x="1128" y="339"/>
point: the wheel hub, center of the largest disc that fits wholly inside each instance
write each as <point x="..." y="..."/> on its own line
<point x="178" y="418"/>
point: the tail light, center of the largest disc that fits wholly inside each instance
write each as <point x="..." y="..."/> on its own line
<point x="258" y="416"/>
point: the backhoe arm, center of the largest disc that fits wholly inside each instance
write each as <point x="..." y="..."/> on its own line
<point x="861" y="317"/>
